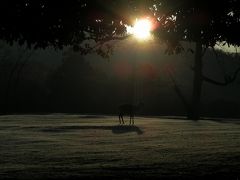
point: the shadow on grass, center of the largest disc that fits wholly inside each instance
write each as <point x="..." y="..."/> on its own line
<point x="119" y="129"/>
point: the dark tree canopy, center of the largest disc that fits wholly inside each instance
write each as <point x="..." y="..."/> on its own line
<point x="201" y="20"/>
<point x="43" y="23"/>
<point x="57" y="23"/>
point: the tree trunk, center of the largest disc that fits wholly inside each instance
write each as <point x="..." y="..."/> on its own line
<point x="197" y="83"/>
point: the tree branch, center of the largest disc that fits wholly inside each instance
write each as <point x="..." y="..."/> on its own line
<point x="178" y="91"/>
<point x="204" y="51"/>
<point x="100" y="43"/>
<point x="228" y="80"/>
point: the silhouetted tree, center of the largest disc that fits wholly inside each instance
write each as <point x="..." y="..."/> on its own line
<point x="12" y="64"/>
<point x="75" y="85"/>
<point x="27" y="90"/>
<point x="61" y="23"/>
<point x="203" y="22"/>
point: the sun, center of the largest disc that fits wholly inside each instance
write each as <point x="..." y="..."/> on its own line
<point x="142" y="29"/>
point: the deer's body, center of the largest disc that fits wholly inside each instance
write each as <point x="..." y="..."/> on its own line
<point x="128" y="109"/>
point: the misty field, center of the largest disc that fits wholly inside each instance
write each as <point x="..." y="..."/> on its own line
<point x="63" y="146"/>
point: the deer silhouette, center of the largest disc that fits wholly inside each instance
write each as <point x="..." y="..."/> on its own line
<point x="128" y="109"/>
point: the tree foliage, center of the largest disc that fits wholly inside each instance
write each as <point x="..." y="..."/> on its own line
<point x="202" y="21"/>
<point x="43" y="23"/>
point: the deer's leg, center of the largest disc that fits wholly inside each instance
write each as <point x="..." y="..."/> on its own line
<point x="133" y="120"/>
<point x="119" y="117"/>
<point x="122" y="119"/>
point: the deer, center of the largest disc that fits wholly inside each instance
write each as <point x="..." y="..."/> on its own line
<point x="128" y="109"/>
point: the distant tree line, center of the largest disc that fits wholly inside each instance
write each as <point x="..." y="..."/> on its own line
<point x="76" y="86"/>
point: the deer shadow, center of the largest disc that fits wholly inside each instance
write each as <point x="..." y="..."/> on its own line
<point x="117" y="129"/>
<point x="125" y="129"/>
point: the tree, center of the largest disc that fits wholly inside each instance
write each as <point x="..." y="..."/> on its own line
<point x="203" y="22"/>
<point x="71" y="84"/>
<point x="42" y="23"/>
<point x="12" y="64"/>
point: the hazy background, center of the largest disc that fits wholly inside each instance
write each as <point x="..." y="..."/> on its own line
<point x="63" y="81"/>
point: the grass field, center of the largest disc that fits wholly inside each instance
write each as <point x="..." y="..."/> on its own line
<point x="64" y="146"/>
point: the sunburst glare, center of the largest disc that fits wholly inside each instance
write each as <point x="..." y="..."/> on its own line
<point x="141" y="29"/>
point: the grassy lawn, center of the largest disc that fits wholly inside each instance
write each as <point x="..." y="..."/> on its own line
<point x="64" y="146"/>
